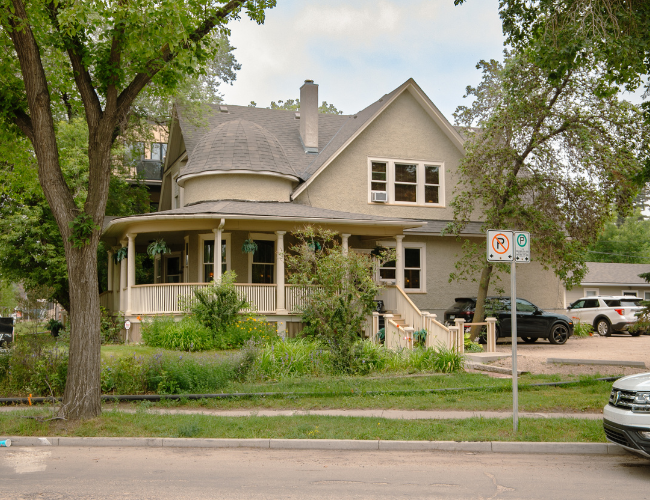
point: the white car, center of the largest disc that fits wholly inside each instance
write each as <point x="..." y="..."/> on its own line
<point x="607" y="313"/>
<point x="626" y="418"/>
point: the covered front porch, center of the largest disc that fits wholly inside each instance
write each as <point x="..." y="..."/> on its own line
<point x="206" y="241"/>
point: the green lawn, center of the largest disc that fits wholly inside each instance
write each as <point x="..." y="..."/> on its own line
<point x="141" y="424"/>
<point x="119" y="350"/>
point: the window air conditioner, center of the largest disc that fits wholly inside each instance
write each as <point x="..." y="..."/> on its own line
<point x="379" y="196"/>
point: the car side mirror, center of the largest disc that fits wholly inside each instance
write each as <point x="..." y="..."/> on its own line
<point x="537" y="311"/>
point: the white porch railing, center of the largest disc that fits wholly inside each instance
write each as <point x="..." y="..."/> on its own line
<point x="397" y="336"/>
<point x="106" y="300"/>
<point x="164" y="298"/>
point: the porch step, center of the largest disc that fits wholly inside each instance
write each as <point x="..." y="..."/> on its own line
<point x="397" y="318"/>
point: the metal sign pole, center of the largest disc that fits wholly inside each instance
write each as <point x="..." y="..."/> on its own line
<point x="513" y="323"/>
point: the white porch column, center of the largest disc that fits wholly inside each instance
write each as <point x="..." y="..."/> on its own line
<point x="399" y="261"/>
<point x="131" y="272"/>
<point x="122" y="280"/>
<point x="279" y="272"/>
<point x="217" y="255"/>
<point x="109" y="285"/>
<point x="344" y="243"/>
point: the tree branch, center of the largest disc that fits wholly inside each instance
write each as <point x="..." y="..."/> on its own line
<point x="128" y="95"/>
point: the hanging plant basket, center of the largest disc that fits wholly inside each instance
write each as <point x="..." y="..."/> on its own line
<point x="157" y="247"/>
<point x="314" y="245"/>
<point x="249" y="246"/>
<point x="120" y="255"/>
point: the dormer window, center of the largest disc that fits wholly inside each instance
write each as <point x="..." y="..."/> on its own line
<point x="399" y="182"/>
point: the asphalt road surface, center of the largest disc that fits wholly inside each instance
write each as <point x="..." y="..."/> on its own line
<point x="61" y="473"/>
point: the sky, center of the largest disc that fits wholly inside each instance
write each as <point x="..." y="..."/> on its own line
<point x="359" y="50"/>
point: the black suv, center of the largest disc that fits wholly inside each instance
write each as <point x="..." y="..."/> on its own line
<point x="532" y="322"/>
<point x="6" y="332"/>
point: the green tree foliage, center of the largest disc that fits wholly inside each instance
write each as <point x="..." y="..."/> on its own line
<point x="549" y="157"/>
<point x="628" y="242"/>
<point x="340" y="290"/>
<point x="294" y="105"/>
<point x="94" y="59"/>
<point x="31" y="247"/>
<point x="561" y="36"/>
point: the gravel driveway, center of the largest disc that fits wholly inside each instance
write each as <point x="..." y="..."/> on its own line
<point x="619" y="347"/>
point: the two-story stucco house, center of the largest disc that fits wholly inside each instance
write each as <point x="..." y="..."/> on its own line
<point x="382" y="177"/>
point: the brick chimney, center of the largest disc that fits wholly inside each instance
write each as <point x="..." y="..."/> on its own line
<point x="309" y="116"/>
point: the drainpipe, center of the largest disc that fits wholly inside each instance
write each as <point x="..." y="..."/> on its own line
<point x="217" y="251"/>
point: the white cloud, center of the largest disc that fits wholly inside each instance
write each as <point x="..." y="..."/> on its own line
<point x="358" y="50"/>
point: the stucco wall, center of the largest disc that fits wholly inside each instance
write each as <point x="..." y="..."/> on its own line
<point x="404" y="131"/>
<point x="541" y="287"/>
<point x="237" y="187"/>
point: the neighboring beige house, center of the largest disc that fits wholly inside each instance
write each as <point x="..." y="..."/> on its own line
<point x="612" y="279"/>
<point x="384" y="176"/>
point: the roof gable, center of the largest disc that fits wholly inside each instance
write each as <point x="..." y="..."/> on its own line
<point x="362" y="120"/>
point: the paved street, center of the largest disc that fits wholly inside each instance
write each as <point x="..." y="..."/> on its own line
<point x="188" y="473"/>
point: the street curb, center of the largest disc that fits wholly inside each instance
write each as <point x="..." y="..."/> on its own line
<point x="325" y="444"/>
<point x="598" y="362"/>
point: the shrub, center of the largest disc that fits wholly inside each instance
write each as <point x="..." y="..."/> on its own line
<point x="110" y="326"/>
<point x="188" y="334"/>
<point x="171" y="374"/>
<point x="291" y="358"/>
<point x="582" y="329"/>
<point x="34" y="365"/>
<point x="239" y="332"/>
<point x="217" y="305"/>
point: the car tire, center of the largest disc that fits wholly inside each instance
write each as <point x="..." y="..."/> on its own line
<point x="559" y="334"/>
<point x="529" y="340"/>
<point x="603" y="327"/>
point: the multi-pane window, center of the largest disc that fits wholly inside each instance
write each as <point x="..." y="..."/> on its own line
<point x="208" y="259"/>
<point x="406" y="182"/>
<point x="158" y="151"/>
<point x="263" y="262"/>
<point x="379" y="176"/>
<point x="413" y="269"/>
<point x="419" y="183"/>
<point x="431" y="183"/>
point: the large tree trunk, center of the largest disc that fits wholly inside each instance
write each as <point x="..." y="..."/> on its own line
<point x="82" y="397"/>
<point x="479" y="312"/>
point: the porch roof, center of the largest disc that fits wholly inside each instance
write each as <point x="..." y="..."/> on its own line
<point x="255" y="211"/>
<point x="435" y="227"/>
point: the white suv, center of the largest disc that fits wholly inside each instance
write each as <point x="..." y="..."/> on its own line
<point x="607" y="313"/>
<point x="626" y="418"/>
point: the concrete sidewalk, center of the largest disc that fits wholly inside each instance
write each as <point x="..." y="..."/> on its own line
<point x="388" y="414"/>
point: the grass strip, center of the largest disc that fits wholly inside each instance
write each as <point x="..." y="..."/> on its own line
<point x="142" y="424"/>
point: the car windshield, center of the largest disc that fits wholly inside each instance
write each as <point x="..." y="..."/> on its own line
<point x="463" y="305"/>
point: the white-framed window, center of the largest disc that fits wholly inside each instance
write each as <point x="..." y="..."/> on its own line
<point x="206" y="256"/>
<point x="261" y="263"/>
<point x="158" y="150"/>
<point x="646" y="295"/>
<point x="414" y="266"/>
<point x="630" y="293"/>
<point x="590" y="292"/>
<point x="406" y="182"/>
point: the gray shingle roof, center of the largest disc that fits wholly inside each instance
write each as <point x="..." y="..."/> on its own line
<point x="435" y="227"/>
<point x="603" y="272"/>
<point x="278" y="127"/>
<point x="268" y="209"/>
<point x="238" y="145"/>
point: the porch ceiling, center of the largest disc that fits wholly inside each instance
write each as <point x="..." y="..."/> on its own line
<point x="254" y="216"/>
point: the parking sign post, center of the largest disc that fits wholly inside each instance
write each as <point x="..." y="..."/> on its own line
<point x="513" y="247"/>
